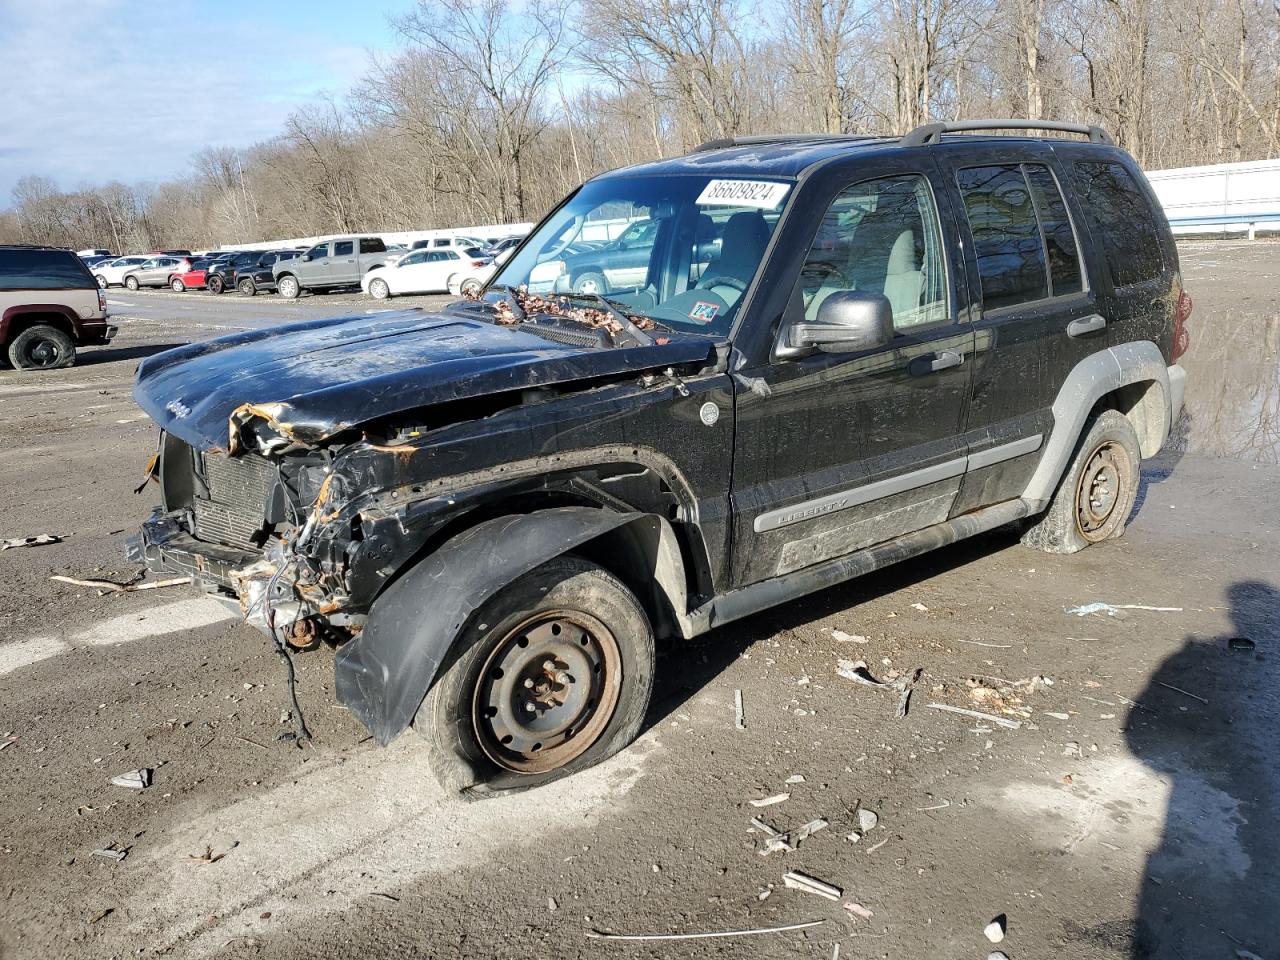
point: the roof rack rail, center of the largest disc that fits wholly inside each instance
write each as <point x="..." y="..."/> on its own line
<point x="932" y="132"/>
<point x="723" y="142"/>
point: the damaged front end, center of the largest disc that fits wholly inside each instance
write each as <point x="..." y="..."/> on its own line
<point x="243" y="528"/>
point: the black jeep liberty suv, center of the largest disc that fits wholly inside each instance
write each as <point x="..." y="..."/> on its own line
<point x="491" y="512"/>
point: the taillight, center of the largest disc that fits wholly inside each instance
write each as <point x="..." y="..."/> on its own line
<point x="102" y="300"/>
<point x="1181" y="338"/>
<point x="477" y="263"/>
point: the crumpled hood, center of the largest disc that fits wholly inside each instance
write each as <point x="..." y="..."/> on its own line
<point x="319" y="377"/>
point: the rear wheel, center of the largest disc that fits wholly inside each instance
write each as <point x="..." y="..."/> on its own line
<point x="471" y="287"/>
<point x="247" y="287"/>
<point x="102" y="281"/>
<point x="1097" y="493"/>
<point x="131" y="283"/>
<point x="550" y="676"/>
<point x="288" y="288"/>
<point x="177" y="285"/>
<point x="42" y="347"/>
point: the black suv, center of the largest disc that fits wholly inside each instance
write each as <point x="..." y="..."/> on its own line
<point x="494" y="511"/>
<point x="248" y="272"/>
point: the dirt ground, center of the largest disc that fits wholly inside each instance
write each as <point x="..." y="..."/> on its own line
<point x="1132" y="813"/>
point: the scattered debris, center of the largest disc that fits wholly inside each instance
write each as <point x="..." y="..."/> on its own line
<point x="835" y="951"/>
<point x="739" y="715"/>
<point x="842" y="637"/>
<point x="995" y="929"/>
<point x="858" y="910"/>
<point x="776" y="842"/>
<point x="1185" y="693"/>
<point x="552" y="906"/>
<point x="997" y="955"/>
<point x="111" y="853"/>
<point x="599" y="935"/>
<point x="7" y="742"/>
<point x="858" y="672"/>
<point x="384" y="896"/>
<point x="102" y="914"/>
<point x="796" y="778"/>
<point x="770" y="801"/>
<point x="765" y="893"/>
<point x="1240" y="645"/>
<point x="1068" y="779"/>
<point x="1113" y="609"/>
<point x="937" y="806"/>
<point x="1072" y="749"/>
<point x="134" y="779"/>
<point x="207" y="857"/>
<point x="39" y="540"/>
<point x="874" y="847"/>
<point x="979" y="643"/>
<point x="1247" y="955"/>
<point x="1057" y="716"/>
<point x="920" y="606"/>
<point x="111" y="586"/>
<point x="999" y="721"/>
<point x="795" y="880"/>
<point x="867" y="819"/>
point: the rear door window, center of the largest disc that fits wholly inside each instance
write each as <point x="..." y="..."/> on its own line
<point x="1131" y="234"/>
<point x="43" y="270"/>
<point x="343" y="248"/>
<point x="372" y="245"/>
<point x="1023" y="238"/>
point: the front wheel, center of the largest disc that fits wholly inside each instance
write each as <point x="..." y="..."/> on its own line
<point x="550" y="676"/>
<point x="378" y="289"/>
<point x="214" y="284"/>
<point x="102" y="281"/>
<point x="591" y="283"/>
<point x="1097" y="493"/>
<point x="131" y="283"/>
<point x="471" y="287"/>
<point x="247" y="287"/>
<point x="288" y="288"/>
<point x="177" y="285"/>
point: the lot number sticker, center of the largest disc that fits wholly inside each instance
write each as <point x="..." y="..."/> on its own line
<point x="744" y="193"/>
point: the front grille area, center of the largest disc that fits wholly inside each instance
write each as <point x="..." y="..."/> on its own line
<point x="238" y="488"/>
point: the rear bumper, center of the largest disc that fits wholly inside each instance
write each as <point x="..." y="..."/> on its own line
<point x="97" y="333"/>
<point x="1177" y="390"/>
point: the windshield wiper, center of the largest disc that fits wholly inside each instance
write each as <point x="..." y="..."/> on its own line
<point x="638" y="335"/>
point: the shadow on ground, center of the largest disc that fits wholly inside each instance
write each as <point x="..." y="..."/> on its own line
<point x="89" y="357"/>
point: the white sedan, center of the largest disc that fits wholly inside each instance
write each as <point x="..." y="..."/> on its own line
<point x="427" y="271"/>
<point x="110" y="273"/>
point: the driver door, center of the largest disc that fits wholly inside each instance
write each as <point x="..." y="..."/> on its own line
<point x="835" y="452"/>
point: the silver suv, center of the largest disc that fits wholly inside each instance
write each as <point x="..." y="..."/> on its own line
<point x="340" y="262"/>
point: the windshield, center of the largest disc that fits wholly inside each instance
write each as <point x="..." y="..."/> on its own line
<point x="678" y="249"/>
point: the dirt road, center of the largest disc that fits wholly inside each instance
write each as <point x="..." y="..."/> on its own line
<point x="1131" y="814"/>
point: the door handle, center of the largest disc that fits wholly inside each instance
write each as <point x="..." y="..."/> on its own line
<point x="1089" y="324"/>
<point x="933" y="362"/>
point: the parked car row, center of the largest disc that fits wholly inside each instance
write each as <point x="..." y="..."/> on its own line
<point x="458" y="265"/>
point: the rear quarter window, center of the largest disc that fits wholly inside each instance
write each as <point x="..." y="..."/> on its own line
<point x="1127" y="224"/>
<point x="43" y="270"/>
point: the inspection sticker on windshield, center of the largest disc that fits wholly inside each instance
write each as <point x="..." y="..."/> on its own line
<point x="744" y="193"/>
<point x="704" y="312"/>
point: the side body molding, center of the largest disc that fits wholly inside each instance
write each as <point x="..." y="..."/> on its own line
<point x="384" y="674"/>
<point x="1091" y="379"/>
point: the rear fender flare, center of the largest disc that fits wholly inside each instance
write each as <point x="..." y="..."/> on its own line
<point x="1090" y="380"/>
<point x="384" y="674"/>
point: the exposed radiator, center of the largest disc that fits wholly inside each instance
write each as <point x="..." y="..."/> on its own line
<point x="238" y="488"/>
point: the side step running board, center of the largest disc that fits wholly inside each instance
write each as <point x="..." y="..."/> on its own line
<point x="760" y="596"/>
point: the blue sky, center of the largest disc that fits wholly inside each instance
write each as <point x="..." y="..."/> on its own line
<point x="98" y="90"/>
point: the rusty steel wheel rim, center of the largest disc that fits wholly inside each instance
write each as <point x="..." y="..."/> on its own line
<point x="547" y="691"/>
<point x="1102" y="491"/>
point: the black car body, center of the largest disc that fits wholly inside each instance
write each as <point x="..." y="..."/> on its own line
<point x="248" y="272"/>
<point x="895" y="343"/>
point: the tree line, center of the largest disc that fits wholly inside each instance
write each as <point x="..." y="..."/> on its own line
<point x="491" y="110"/>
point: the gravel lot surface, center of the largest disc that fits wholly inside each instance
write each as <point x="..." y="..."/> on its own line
<point x="1131" y="814"/>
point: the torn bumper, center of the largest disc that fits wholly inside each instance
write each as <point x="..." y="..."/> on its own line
<point x="1177" y="390"/>
<point x="166" y="546"/>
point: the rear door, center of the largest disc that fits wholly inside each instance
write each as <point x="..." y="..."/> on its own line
<point x="344" y="267"/>
<point x="837" y="452"/>
<point x="1035" y="313"/>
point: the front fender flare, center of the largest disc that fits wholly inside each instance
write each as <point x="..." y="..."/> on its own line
<point x="383" y="674"/>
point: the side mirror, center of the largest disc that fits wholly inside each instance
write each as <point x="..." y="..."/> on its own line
<point x="848" y="321"/>
<point x="306" y="258"/>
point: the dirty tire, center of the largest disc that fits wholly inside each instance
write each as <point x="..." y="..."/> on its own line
<point x="131" y="283"/>
<point x="573" y="614"/>
<point x="42" y="347"/>
<point x="1096" y="494"/>
<point x="177" y="285"/>
<point x="288" y="288"/>
<point x="591" y="283"/>
<point x="247" y="287"/>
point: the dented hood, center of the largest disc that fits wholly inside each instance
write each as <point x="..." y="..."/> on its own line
<point x="317" y="378"/>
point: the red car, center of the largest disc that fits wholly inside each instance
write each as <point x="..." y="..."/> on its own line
<point x="194" y="277"/>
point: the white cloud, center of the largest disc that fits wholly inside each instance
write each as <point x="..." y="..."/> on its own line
<point x="100" y="90"/>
